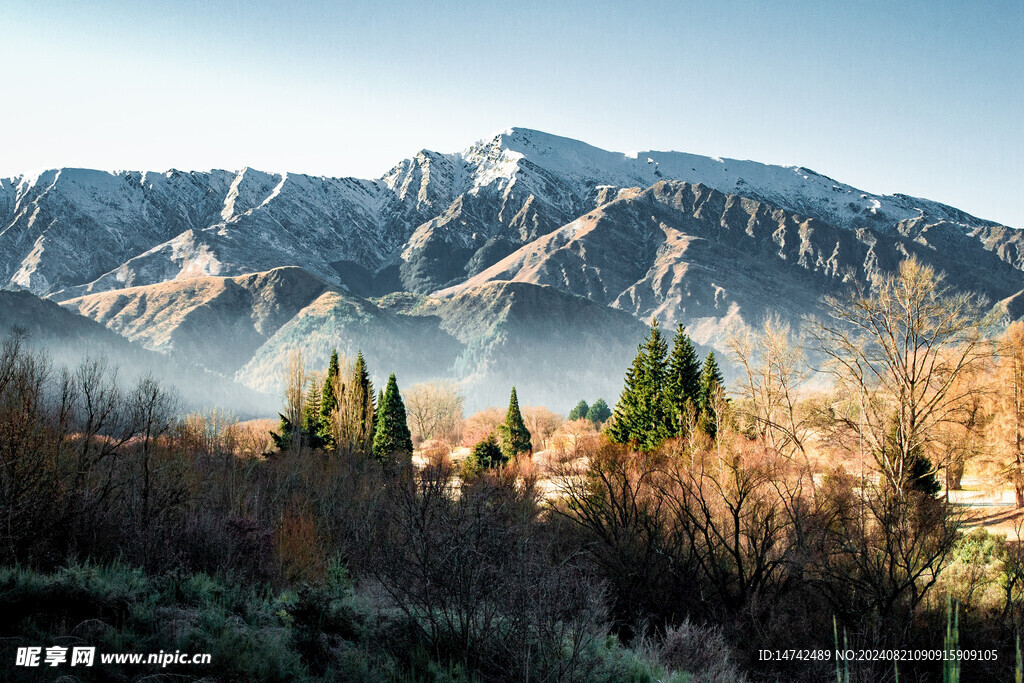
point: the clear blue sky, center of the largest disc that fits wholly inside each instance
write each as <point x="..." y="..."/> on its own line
<point x="925" y="98"/>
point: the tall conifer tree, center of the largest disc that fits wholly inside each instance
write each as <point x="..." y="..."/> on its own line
<point x="711" y="381"/>
<point x="640" y="415"/>
<point x="361" y="379"/>
<point x="515" y="437"/>
<point x="392" y="437"/>
<point x="682" y="385"/>
<point x="626" y="418"/>
<point x="312" y="425"/>
<point x="329" y="395"/>
<point x="329" y="402"/>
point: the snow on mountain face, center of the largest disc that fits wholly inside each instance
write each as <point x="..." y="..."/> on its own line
<point x="796" y="189"/>
<point x="74" y="224"/>
<point x="435" y="219"/>
<point x="521" y="184"/>
<point x="688" y="253"/>
<point x="531" y="243"/>
<point x="85" y="231"/>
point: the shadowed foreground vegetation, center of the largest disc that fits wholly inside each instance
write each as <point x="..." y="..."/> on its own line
<point x="691" y="534"/>
<point x="129" y="529"/>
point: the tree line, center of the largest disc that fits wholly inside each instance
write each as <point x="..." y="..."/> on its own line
<point x="694" y="530"/>
<point x="667" y="395"/>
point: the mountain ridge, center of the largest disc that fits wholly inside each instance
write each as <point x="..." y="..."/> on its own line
<point x="512" y="187"/>
<point x="478" y="265"/>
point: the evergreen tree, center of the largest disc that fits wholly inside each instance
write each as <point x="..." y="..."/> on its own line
<point x="313" y="432"/>
<point x="711" y="381"/>
<point x="329" y="395"/>
<point x="580" y="411"/>
<point x="487" y="454"/>
<point x="283" y="436"/>
<point x="640" y="415"/>
<point x="392" y="436"/>
<point x="515" y="437"/>
<point x="599" y="412"/>
<point x="682" y="385"/>
<point x="361" y="380"/>
<point x="311" y="408"/>
<point x="625" y="426"/>
<point x="329" y="402"/>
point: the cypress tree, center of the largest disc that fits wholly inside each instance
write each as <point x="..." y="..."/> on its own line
<point x="515" y="437"/>
<point x="599" y="412"/>
<point x="580" y="411"/>
<point x="392" y="436"/>
<point x="682" y="386"/>
<point x="710" y="381"/>
<point x="329" y="402"/>
<point x="640" y="415"/>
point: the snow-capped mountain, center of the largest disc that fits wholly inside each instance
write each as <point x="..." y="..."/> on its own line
<point x="691" y="254"/>
<point x="699" y="240"/>
<point x="435" y="218"/>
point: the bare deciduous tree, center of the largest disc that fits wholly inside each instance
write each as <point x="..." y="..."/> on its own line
<point x="481" y="423"/>
<point x="295" y="395"/>
<point x="1011" y="352"/>
<point x="960" y="440"/>
<point x="775" y="368"/>
<point x="434" y="410"/>
<point x="898" y="353"/>
<point x="572" y="436"/>
<point x="352" y="419"/>
<point x="31" y="497"/>
<point x="541" y="423"/>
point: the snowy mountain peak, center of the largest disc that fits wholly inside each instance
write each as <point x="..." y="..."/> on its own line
<point x="438" y="217"/>
<point x="501" y="157"/>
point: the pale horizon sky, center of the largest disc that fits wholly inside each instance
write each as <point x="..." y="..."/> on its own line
<point x="924" y="98"/>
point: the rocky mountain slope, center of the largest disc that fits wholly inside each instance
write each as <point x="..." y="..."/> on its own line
<point x="68" y="339"/>
<point x="218" y="322"/>
<point x="234" y="269"/>
<point x="688" y="253"/>
<point x="432" y="220"/>
<point x="550" y="344"/>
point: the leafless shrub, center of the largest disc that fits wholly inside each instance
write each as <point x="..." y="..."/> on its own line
<point x="700" y="650"/>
